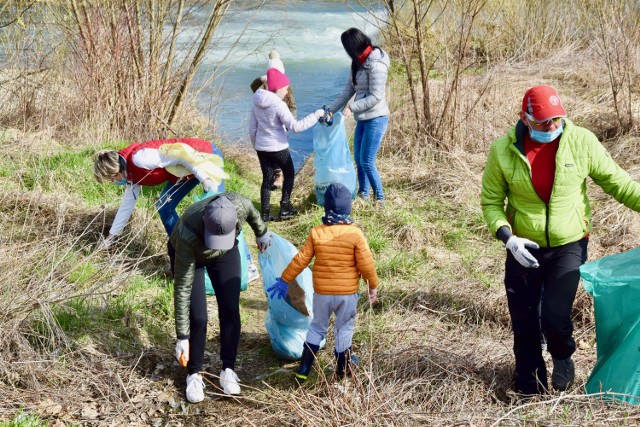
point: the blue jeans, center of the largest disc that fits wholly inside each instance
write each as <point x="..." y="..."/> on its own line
<point x="366" y="143"/>
<point x="169" y="198"/>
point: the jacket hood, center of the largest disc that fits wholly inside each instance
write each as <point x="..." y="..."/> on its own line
<point x="377" y="55"/>
<point x="265" y="99"/>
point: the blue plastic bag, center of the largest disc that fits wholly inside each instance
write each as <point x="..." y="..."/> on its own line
<point x="614" y="283"/>
<point x="332" y="158"/>
<point x="287" y="327"/>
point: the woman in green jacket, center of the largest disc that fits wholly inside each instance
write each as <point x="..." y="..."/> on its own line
<point x="205" y="239"/>
<point x="540" y="169"/>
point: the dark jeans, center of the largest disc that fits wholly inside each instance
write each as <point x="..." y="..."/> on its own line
<point x="269" y="162"/>
<point x="225" y="276"/>
<point x="557" y="277"/>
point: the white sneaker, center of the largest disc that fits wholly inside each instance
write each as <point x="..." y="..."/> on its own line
<point x="253" y="272"/>
<point x="195" y="388"/>
<point x="229" y="382"/>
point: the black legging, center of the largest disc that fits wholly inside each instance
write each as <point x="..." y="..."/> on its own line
<point x="225" y="275"/>
<point x="269" y="162"/>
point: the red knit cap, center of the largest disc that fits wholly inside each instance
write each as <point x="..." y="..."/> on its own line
<point x="276" y="79"/>
<point x="543" y="103"/>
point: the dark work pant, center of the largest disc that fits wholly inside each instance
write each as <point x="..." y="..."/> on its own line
<point x="557" y="277"/>
<point x="269" y="162"/>
<point x="225" y="275"/>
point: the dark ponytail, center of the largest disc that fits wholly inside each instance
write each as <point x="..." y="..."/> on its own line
<point x="355" y="42"/>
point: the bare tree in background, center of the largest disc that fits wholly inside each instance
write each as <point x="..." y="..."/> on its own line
<point x="433" y="37"/>
<point x="617" y="37"/>
<point x="126" y="50"/>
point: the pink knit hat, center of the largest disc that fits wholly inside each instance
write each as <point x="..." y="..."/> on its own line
<point x="276" y="80"/>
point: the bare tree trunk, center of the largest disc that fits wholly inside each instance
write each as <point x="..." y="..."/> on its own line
<point x="448" y="112"/>
<point x="424" y="72"/>
<point x="172" y="46"/>
<point x="217" y="13"/>
<point x="73" y="6"/>
<point x="407" y="61"/>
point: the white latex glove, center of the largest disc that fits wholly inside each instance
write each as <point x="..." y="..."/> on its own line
<point x="104" y="243"/>
<point x="182" y="352"/>
<point x="208" y="185"/>
<point x="319" y="113"/>
<point x="373" y="296"/>
<point x="518" y="247"/>
<point x="264" y="241"/>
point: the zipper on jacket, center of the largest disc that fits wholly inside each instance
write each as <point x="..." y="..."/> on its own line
<point x="546" y="224"/>
<point x="525" y="159"/>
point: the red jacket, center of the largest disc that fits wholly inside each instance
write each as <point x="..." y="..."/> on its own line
<point x="157" y="176"/>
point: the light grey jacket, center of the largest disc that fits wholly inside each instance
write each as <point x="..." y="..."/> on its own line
<point x="270" y="119"/>
<point x="370" y="88"/>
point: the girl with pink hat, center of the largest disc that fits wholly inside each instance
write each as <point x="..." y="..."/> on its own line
<point x="270" y="121"/>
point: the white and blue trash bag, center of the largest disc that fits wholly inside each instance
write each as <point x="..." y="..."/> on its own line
<point x="332" y="158"/>
<point x="287" y="327"/>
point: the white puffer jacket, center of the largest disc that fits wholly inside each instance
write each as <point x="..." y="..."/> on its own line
<point x="270" y="119"/>
<point x="370" y="88"/>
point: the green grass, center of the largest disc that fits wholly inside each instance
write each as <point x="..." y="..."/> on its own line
<point x="142" y="307"/>
<point x="82" y="272"/>
<point x="405" y="264"/>
<point x="24" y="419"/>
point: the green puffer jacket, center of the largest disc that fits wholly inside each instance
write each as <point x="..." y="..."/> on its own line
<point x="567" y="216"/>
<point x="187" y="239"/>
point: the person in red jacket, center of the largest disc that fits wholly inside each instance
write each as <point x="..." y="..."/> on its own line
<point x="342" y="256"/>
<point x="180" y="163"/>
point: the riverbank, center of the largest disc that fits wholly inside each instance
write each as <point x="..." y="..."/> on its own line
<point x="437" y="351"/>
<point x="88" y="337"/>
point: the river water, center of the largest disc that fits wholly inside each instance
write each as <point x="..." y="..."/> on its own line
<point x="307" y="36"/>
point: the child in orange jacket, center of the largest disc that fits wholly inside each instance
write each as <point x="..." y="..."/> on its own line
<point x="342" y="256"/>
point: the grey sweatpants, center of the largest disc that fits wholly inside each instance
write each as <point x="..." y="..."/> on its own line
<point x="344" y="307"/>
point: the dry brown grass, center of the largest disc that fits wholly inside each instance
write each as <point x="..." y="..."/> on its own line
<point x="437" y="351"/>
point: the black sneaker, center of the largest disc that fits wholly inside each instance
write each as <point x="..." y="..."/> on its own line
<point x="564" y="372"/>
<point x="287" y="211"/>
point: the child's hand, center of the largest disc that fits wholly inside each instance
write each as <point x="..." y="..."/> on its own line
<point x="373" y="296"/>
<point x="346" y="112"/>
<point x="278" y="289"/>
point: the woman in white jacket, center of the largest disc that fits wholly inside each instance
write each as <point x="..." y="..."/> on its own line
<point x="270" y="121"/>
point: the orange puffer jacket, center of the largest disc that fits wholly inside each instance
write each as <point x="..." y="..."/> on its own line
<point x="342" y="255"/>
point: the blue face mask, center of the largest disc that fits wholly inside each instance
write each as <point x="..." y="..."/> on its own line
<point x="123" y="181"/>
<point x="545" y="137"/>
